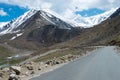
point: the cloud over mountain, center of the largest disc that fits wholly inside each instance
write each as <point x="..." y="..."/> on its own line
<point x="66" y="8"/>
<point x="2" y="12"/>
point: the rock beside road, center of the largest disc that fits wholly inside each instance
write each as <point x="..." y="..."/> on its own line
<point x="16" y="69"/>
<point x="13" y="77"/>
<point x="63" y="59"/>
<point x="31" y="68"/>
<point x="1" y="74"/>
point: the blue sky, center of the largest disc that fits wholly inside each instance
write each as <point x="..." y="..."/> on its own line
<point x="15" y="11"/>
<point x="90" y="12"/>
<point x="12" y="12"/>
<point x="10" y="9"/>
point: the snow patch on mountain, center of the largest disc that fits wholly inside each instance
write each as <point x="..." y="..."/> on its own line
<point x="3" y="24"/>
<point x="49" y="12"/>
<point x="56" y="19"/>
<point x="46" y="15"/>
<point x="17" y="35"/>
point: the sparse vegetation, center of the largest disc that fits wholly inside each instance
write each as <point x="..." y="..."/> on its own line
<point x="4" y="52"/>
<point x="72" y="51"/>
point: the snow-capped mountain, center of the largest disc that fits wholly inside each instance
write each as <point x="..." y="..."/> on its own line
<point x="93" y="20"/>
<point x="86" y="22"/>
<point x="38" y="27"/>
<point x="13" y="26"/>
<point x="56" y="19"/>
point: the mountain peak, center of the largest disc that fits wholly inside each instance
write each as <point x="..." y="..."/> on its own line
<point x="22" y="21"/>
<point x="54" y="18"/>
<point x="38" y="26"/>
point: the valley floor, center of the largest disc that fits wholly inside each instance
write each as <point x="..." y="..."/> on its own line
<point x="42" y="63"/>
<point x="100" y="63"/>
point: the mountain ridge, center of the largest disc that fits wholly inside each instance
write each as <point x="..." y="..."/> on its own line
<point x="93" y="20"/>
<point x="41" y="29"/>
<point x="45" y="29"/>
<point x="20" y="20"/>
<point x="78" y="21"/>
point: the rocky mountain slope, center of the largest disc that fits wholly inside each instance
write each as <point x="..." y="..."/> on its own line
<point x="37" y="28"/>
<point x="40" y="32"/>
<point x="106" y="33"/>
<point x="17" y="24"/>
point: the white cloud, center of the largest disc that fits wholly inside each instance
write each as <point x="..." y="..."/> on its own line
<point x="66" y="8"/>
<point x="2" y="12"/>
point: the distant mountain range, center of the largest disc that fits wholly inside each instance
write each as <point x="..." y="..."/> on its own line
<point x="37" y="28"/>
<point x="78" y="21"/>
<point x="93" y="20"/>
<point x="105" y="33"/>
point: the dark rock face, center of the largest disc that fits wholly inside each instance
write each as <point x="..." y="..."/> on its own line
<point x="50" y="34"/>
<point x="50" y="31"/>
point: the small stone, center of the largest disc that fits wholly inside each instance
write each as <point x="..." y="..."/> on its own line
<point x="27" y="73"/>
<point x="30" y="67"/>
<point x="39" y="68"/>
<point x="32" y="72"/>
<point x="1" y="75"/>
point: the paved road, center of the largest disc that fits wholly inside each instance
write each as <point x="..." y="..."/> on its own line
<point x="102" y="64"/>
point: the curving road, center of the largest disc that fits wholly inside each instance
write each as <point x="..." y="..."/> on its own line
<point x="102" y="64"/>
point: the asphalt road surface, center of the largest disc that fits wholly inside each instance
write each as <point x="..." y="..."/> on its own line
<point x="102" y="64"/>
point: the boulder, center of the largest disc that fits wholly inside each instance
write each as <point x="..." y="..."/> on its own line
<point x="31" y="63"/>
<point x="49" y="62"/>
<point x="46" y="65"/>
<point x="39" y="68"/>
<point x="27" y="73"/>
<point x="1" y="74"/>
<point x="53" y="62"/>
<point x="6" y="70"/>
<point x="17" y="69"/>
<point x="41" y="63"/>
<point x="30" y="67"/>
<point x="57" y="62"/>
<point x="13" y="77"/>
<point x="33" y="72"/>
